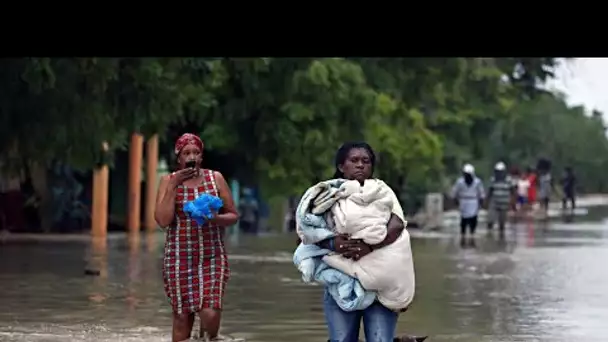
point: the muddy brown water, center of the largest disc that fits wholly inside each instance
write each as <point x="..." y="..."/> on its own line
<point x="542" y="283"/>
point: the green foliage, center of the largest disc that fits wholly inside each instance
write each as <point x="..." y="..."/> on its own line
<point x="278" y="121"/>
<point x="64" y="108"/>
<point x="548" y="128"/>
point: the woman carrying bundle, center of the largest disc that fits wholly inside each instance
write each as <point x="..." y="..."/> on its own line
<point x="341" y="208"/>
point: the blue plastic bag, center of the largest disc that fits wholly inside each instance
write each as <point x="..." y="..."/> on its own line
<point x="203" y="208"/>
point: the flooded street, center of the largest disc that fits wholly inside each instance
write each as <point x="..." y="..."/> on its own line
<point x="543" y="283"/>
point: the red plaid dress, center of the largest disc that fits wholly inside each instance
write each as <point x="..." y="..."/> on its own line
<point x="195" y="269"/>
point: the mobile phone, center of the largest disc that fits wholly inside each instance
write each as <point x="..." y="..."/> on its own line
<point x="191" y="163"/>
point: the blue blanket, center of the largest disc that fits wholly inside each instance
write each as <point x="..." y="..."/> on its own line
<point x="312" y="228"/>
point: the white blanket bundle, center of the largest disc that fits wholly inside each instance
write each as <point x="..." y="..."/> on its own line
<point x="363" y="212"/>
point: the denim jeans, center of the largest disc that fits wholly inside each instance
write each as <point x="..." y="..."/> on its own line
<point x="378" y="322"/>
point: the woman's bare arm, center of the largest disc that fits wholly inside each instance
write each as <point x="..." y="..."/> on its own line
<point x="228" y="215"/>
<point x="165" y="203"/>
<point x="395" y="225"/>
<point x="394" y="228"/>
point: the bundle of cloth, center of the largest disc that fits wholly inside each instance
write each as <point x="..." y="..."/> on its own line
<point x="203" y="208"/>
<point x="340" y="206"/>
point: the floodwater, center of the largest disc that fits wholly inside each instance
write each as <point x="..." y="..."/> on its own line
<point x="542" y="283"/>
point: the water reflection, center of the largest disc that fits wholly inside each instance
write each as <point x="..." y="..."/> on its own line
<point x="98" y="268"/>
<point x="539" y="283"/>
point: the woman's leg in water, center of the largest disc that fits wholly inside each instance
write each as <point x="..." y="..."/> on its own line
<point x="182" y="326"/>
<point x="210" y="322"/>
<point x="343" y="326"/>
<point x="379" y="323"/>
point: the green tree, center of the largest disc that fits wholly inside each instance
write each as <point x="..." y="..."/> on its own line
<point x="64" y="108"/>
<point x="549" y="128"/>
<point x="277" y="122"/>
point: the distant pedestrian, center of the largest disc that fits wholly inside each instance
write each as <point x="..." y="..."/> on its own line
<point x="249" y="212"/>
<point x="545" y="185"/>
<point x="533" y="184"/>
<point x="468" y="193"/>
<point x="568" y="187"/>
<point x="523" y="185"/>
<point x="500" y="193"/>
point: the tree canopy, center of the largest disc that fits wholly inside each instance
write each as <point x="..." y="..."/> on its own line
<point x="278" y="121"/>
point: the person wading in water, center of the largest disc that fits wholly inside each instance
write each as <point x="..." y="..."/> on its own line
<point x="468" y="193"/>
<point x="533" y="184"/>
<point x="195" y="267"/>
<point x="356" y="161"/>
<point x="500" y="196"/>
<point x="568" y="187"/>
<point x="545" y="186"/>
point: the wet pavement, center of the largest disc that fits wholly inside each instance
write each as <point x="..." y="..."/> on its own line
<point x="544" y="282"/>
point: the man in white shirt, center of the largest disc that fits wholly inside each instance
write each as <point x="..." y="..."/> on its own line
<point x="469" y="194"/>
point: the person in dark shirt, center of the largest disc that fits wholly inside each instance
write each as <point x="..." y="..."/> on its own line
<point x="568" y="187"/>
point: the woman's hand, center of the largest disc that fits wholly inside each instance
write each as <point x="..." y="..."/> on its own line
<point x="357" y="249"/>
<point x="228" y="215"/>
<point x="343" y="243"/>
<point x="182" y="175"/>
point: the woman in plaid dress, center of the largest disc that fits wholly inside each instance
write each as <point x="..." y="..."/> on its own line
<point x="195" y="270"/>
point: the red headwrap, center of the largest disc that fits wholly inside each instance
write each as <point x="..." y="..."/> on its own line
<point x="187" y="139"/>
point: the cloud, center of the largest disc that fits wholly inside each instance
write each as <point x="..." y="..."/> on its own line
<point x="584" y="81"/>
